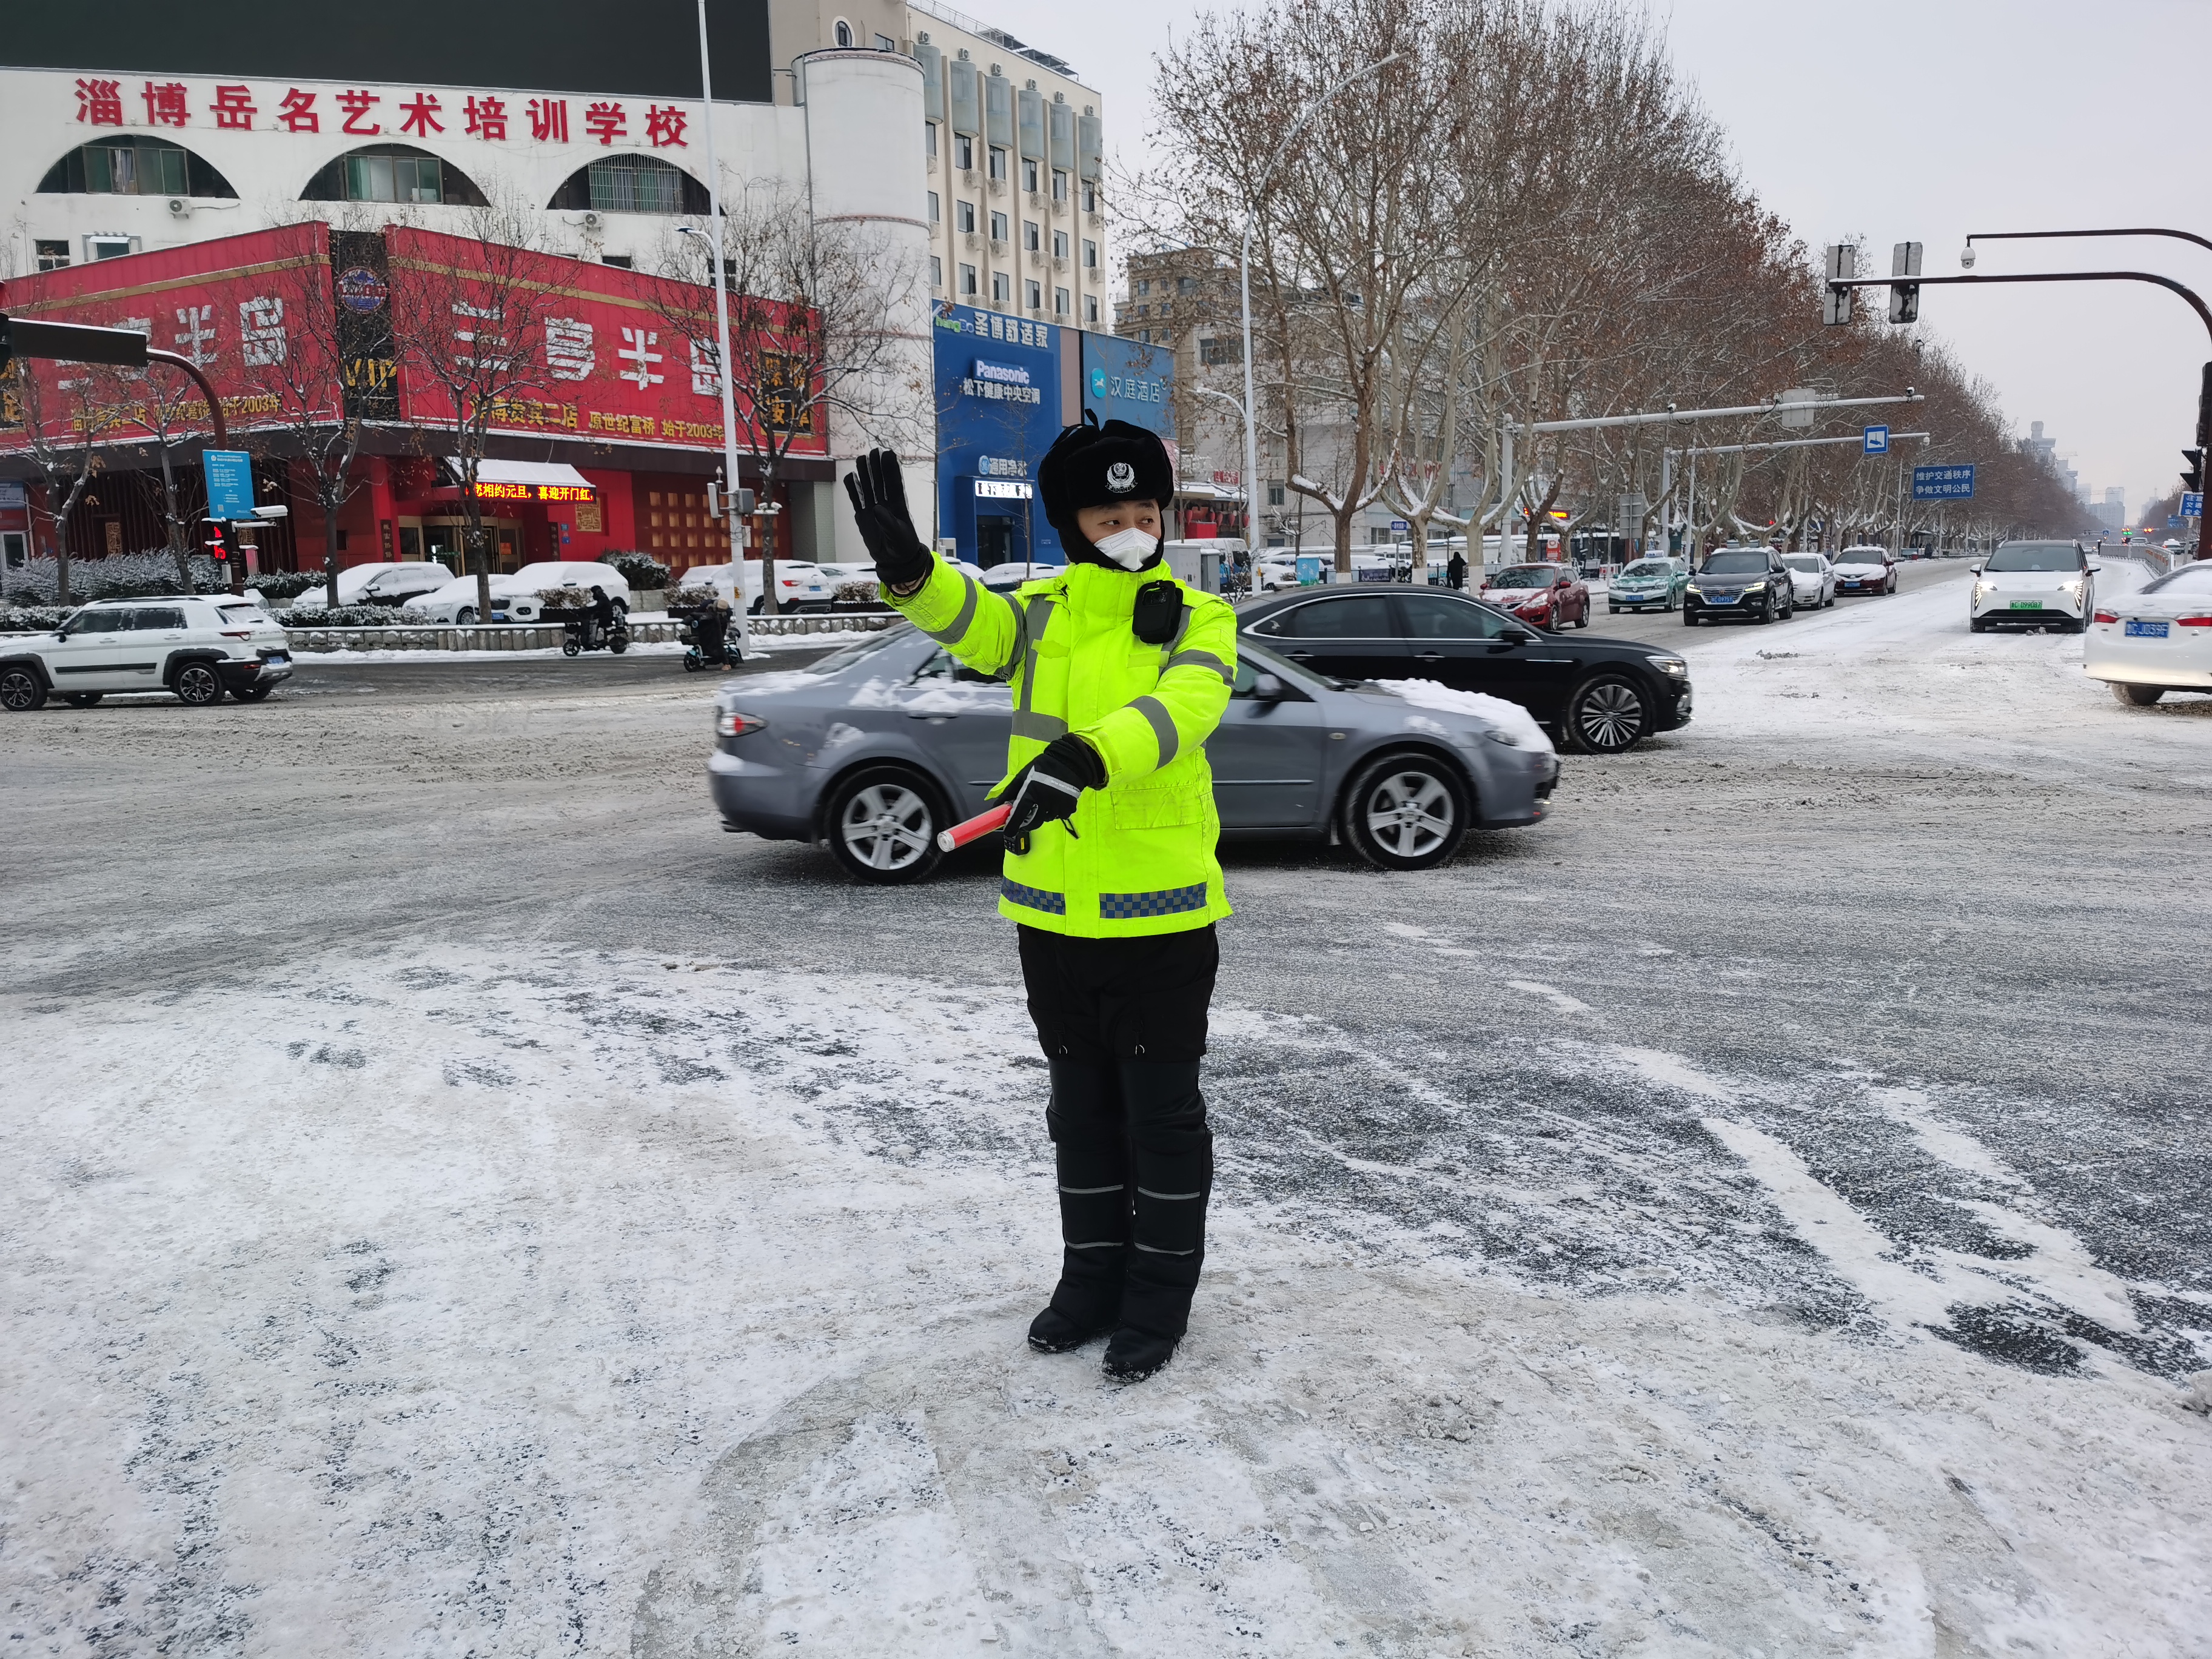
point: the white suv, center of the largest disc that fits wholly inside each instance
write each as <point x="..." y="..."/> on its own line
<point x="197" y="647"/>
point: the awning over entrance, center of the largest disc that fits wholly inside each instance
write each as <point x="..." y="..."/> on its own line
<point x="527" y="481"/>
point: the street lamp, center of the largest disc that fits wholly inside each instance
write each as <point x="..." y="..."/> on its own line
<point x="722" y="354"/>
<point x="1244" y="280"/>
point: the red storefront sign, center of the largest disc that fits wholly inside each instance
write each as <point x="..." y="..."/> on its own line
<point x="600" y="354"/>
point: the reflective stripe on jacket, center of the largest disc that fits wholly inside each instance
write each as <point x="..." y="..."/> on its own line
<point x="1142" y="857"/>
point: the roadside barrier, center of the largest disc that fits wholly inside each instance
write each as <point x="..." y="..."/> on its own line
<point x="539" y="636"/>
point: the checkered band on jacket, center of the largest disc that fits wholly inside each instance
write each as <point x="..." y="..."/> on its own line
<point x="1035" y="898"/>
<point x="1116" y="907"/>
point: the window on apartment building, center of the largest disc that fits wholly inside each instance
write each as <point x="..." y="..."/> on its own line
<point x="1144" y="335"/>
<point x="1144" y="283"/>
<point x="1275" y="494"/>
<point x="1144" y="311"/>
<point x="1090" y="307"/>
<point x="1029" y="173"/>
<point x="932" y="207"/>
<point x="884" y="43"/>
<point x="964" y="215"/>
<point x="52" y="256"/>
<point x="1031" y="238"/>
<point x="998" y="226"/>
<point x="1059" y="300"/>
<point x="1059" y="245"/>
<point x="1218" y="351"/>
<point x="1186" y="284"/>
<point x="968" y="281"/>
<point x="1090" y="254"/>
<point x="1002" y="289"/>
<point x="134" y="166"/>
<point x="1090" y="197"/>
<point x="929" y="139"/>
<point x="963" y="152"/>
<point x="1033" y="292"/>
<point x="998" y="162"/>
<point x="936" y="270"/>
<point x="843" y="33"/>
<point x="1059" y="185"/>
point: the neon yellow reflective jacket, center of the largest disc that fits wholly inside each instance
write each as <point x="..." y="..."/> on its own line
<point x="1142" y="857"/>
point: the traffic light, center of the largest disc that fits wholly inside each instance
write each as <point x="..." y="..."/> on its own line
<point x="1843" y="265"/>
<point x="1904" y="297"/>
<point x="2192" y="476"/>
<point x="719" y="500"/>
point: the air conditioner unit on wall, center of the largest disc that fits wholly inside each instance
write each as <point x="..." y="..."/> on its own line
<point x="593" y="222"/>
<point x="179" y="206"/>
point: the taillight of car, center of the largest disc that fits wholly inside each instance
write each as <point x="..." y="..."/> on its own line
<point x="731" y="724"/>
<point x="2202" y="620"/>
<point x="2106" y="615"/>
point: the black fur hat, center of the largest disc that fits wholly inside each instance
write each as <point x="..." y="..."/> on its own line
<point x="1095" y="465"/>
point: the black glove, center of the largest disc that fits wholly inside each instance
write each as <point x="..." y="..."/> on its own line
<point x="1045" y="791"/>
<point x="880" y="507"/>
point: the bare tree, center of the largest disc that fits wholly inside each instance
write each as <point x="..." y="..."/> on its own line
<point x="815" y="329"/>
<point x="469" y="318"/>
<point x="64" y="424"/>
<point x="295" y="357"/>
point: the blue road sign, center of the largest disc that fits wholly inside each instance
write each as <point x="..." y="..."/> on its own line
<point x="1943" y="484"/>
<point x="229" y="482"/>
<point x="2192" y="503"/>
<point x="1877" y="440"/>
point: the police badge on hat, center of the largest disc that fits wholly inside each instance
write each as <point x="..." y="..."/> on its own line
<point x="1120" y="478"/>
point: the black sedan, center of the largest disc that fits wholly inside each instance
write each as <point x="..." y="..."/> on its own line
<point x="1600" y="695"/>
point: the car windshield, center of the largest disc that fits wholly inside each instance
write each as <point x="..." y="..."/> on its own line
<point x="860" y="651"/>
<point x="1527" y="575"/>
<point x="2189" y="579"/>
<point x="2036" y="555"/>
<point x="1810" y="567"/>
<point x="1650" y="569"/>
<point x="1739" y="561"/>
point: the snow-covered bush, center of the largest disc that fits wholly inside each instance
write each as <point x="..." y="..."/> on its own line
<point x="125" y="576"/>
<point x="565" y="598"/>
<point x="640" y="570"/>
<point x="685" y="599"/>
<point x="860" y="592"/>
<point x="344" y="615"/>
<point x="31" y="619"/>
<point x="287" y="584"/>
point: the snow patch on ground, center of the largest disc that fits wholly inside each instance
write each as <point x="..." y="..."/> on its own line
<point x="435" y="1300"/>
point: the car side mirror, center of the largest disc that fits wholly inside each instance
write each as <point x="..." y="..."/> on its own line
<point x="1516" y="636"/>
<point x="2093" y="567"/>
<point x="1973" y="570"/>
<point x="1268" y="688"/>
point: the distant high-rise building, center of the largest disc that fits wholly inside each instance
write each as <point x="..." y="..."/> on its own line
<point x="2112" y="511"/>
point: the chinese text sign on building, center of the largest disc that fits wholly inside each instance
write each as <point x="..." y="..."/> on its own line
<point x="1943" y="484"/>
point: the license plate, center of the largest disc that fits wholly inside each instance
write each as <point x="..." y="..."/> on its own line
<point x="2147" y="630"/>
<point x="1720" y="599"/>
<point x="2027" y="604"/>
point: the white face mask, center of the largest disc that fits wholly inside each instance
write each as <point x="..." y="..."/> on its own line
<point x="1129" y="548"/>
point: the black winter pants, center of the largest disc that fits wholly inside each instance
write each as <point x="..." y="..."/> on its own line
<point x="1122" y="1022"/>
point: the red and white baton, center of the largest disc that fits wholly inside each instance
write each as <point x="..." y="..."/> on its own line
<point x="975" y="828"/>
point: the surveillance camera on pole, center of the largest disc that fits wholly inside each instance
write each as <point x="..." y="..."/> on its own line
<point x="1842" y="266"/>
<point x="1904" y="297"/>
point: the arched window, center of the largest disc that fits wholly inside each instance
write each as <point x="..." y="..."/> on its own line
<point x="844" y="33"/>
<point x="135" y="166"/>
<point x="392" y="172"/>
<point x="630" y="184"/>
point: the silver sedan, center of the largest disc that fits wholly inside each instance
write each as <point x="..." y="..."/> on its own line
<point x="872" y="749"/>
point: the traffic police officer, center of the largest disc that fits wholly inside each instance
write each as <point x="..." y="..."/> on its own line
<point x="1119" y="673"/>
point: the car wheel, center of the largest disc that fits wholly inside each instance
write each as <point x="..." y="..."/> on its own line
<point x="1607" y="716"/>
<point x="2137" y="696"/>
<point x="465" y="616"/>
<point x="84" y="699"/>
<point x="1978" y="624"/>
<point x="253" y="693"/>
<point x="882" y="824"/>
<point x="1406" y="812"/>
<point x="1613" y="611"/>
<point x="21" y="690"/>
<point x="1766" y="614"/>
<point x="198" y="684"/>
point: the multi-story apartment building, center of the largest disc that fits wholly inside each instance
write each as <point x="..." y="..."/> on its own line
<point x="1013" y="149"/>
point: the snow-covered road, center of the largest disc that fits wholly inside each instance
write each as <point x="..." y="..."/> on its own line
<point x="425" y="1237"/>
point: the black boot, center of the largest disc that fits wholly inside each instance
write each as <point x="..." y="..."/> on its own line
<point x="1054" y="1332"/>
<point x="1090" y="1158"/>
<point x="1133" y="1355"/>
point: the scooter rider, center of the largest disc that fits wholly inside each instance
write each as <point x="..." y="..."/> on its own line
<point x="1119" y="674"/>
<point x="712" y="630"/>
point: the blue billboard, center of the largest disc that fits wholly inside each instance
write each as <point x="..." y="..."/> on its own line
<point x="1130" y="380"/>
<point x="997" y="411"/>
<point x="1943" y="484"/>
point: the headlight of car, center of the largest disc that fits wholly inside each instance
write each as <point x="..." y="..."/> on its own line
<point x="1674" y="667"/>
<point x="1694" y="591"/>
<point x="1755" y="587"/>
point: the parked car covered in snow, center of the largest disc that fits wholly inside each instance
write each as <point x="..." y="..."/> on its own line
<point x="515" y="594"/>
<point x="384" y="584"/>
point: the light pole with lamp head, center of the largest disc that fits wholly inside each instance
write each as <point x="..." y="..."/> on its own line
<point x="1245" y="281"/>
<point x="722" y="352"/>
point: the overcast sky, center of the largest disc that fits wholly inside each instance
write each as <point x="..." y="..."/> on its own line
<point x="1892" y="120"/>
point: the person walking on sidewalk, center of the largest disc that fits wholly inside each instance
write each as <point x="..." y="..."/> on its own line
<point x="1119" y="673"/>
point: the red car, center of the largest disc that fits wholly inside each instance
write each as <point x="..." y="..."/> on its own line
<point x="1549" y="595"/>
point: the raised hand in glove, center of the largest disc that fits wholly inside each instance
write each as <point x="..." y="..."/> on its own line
<point x="1046" y="790"/>
<point x="878" y="495"/>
